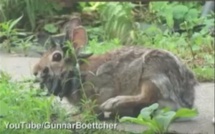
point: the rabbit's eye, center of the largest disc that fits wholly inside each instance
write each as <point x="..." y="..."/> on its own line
<point x="57" y="57"/>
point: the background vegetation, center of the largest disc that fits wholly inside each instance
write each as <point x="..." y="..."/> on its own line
<point x="25" y="24"/>
<point x="175" y="26"/>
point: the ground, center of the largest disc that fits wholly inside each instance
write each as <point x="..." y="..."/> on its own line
<point x="20" y="67"/>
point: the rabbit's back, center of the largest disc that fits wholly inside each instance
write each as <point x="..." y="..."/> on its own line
<point x="128" y="67"/>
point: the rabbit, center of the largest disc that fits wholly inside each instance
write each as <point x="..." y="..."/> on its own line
<point x="122" y="81"/>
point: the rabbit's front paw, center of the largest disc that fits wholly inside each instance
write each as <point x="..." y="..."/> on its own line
<point x="110" y="104"/>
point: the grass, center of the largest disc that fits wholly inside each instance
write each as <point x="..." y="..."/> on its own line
<point x="204" y="74"/>
<point x="23" y="103"/>
<point x="20" y="104"/>
<point x="102" y="47"/>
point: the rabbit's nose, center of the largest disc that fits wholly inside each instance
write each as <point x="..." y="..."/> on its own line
<point x="35" y="74"/>
<point x="57" y="56"/>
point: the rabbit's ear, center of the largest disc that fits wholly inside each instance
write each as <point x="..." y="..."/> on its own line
<point x="40" y="52"/>
<point x="76" y="33"/>
<point x="57" y="40"/>
<point x="53" y="43"/>
<point x="73" y="23"/>
<point x="79" y="37"/>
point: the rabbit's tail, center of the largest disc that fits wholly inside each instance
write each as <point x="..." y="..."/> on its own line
<point x="172" y="92"/>
<point x="169" y="98"/>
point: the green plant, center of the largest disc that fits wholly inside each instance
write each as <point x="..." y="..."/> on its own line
<point x="174" y="13"/>
<point x="31" y="9"/>
<point x="194" y="44"/>
<point x="51" y="28"/>
<point x="204" y="73"/>
<point x="9" y="31"/>
<point x="158" y="121"/>
<point x="102" y="47"/>
<point x="20" y="103"/>
<point x="117" y="20"/>
<point x="26" y="43"/>
<point x="91" y="6"/>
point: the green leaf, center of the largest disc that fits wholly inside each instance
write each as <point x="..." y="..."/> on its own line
<point x="13" y="23"/>
<point x="51" y="28"/>
<point x="151" y="124"/>
<point x="169" y="20"/>
<point x="169" y="16"/>
<point x="4" y="109"/>
<point x="186" y="113"/>
<point x="179" y="11"/>
<point x="147" y="111"/>
<point x="157" y="6"/>
<point x="196" y="47"/>
<point x="187" y="25"/>
<point x="133" y="120"/>
<point x="192" y="13"/>
<point x="164" y="119"/>
<point x="149" y="131"/>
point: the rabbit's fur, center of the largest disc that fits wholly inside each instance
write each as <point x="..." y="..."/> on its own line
<point x="121" y="81"/>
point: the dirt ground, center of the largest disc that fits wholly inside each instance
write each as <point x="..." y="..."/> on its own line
<point x="20" y="67"/>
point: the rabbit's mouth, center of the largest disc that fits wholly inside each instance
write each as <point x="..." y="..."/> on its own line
<point x="63" y="85"/>
<point x="53" y="84"/>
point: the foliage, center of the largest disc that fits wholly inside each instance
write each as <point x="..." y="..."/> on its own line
<point x="204" y="73"/>
<point x="174" y="12"/>
<point x="195" y="47"/>
<point x="91" y="6"/>
<point x="117" y="20"/>
<point x="11" y="36"/>
<point x="193" y="42"/>
<point x="31" y="9"/>
<point x="26" y="43"/>
<point x="158" y="121"/>
<point x="20" y="103"/>
<point x="7" y="28"/>
<point x="102" y="47"/>
<point x="51" y="28"/>
<point x="9" y="32"/>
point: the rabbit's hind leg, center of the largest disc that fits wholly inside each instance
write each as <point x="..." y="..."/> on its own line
<point x="149" y="94"/>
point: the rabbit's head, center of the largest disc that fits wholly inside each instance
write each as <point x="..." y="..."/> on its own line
<point x="57" y="69"/>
